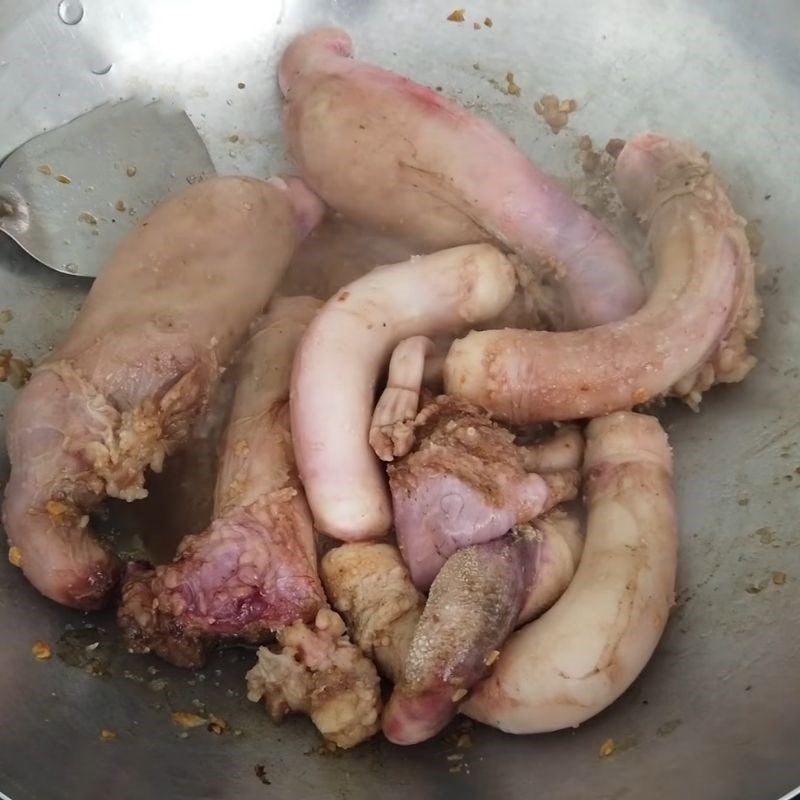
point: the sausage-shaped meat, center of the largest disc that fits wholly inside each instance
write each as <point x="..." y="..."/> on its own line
<point x="344" y="351"/>
<point x="692" y="332"/>
<point x="582" y="654"/>
<point x="122" y="390"/>
<point x="401" y="157"/>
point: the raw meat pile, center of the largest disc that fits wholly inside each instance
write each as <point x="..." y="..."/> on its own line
<point x="504" y="520"/>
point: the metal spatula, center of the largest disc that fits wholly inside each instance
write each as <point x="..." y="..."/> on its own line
<point x="66" y="196"/>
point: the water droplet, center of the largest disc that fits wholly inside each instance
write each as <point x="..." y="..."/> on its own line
<point x="104" y="70"/>
<point x="70" y="12"/>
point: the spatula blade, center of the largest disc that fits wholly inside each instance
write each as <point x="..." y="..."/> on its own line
<point x="68" y="195"/>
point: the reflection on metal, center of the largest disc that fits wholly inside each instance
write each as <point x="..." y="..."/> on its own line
<point x="67" y="186"/>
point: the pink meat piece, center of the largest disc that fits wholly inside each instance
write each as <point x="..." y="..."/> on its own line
<point x="465" y="483"/>
<point x="476" y="600"/>
<point x="472" y="607"/>
<point x="419" y="166"/>
<point x="122" y="390"/>
<point x="341" y="358"/>
<point x="254" y="570"/>
<point x="693" y="331"/>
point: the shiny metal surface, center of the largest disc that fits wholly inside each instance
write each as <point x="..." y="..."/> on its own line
<point x="71" y="193"/>
<point x="717" y="713"/>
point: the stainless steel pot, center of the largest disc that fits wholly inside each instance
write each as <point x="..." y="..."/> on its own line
<point x="717" y="712"/>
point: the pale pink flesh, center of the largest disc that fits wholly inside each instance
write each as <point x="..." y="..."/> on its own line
<point x="254" y="570"/>
<point x="560" y="538"/>
<point x="60" y="556"/>
<point x="562" y="451"/>
<point x="580" y="655"/>
<point x="691" y="333"/>
<point x="391" y="432"/>
<point x="463" y="484"/>
<point x="341" y="356"/>
<point x="476" y="600"/>
<point x="419" y="165"/>
<point x="442" y="516"/>
<point x="122" y="389"/>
